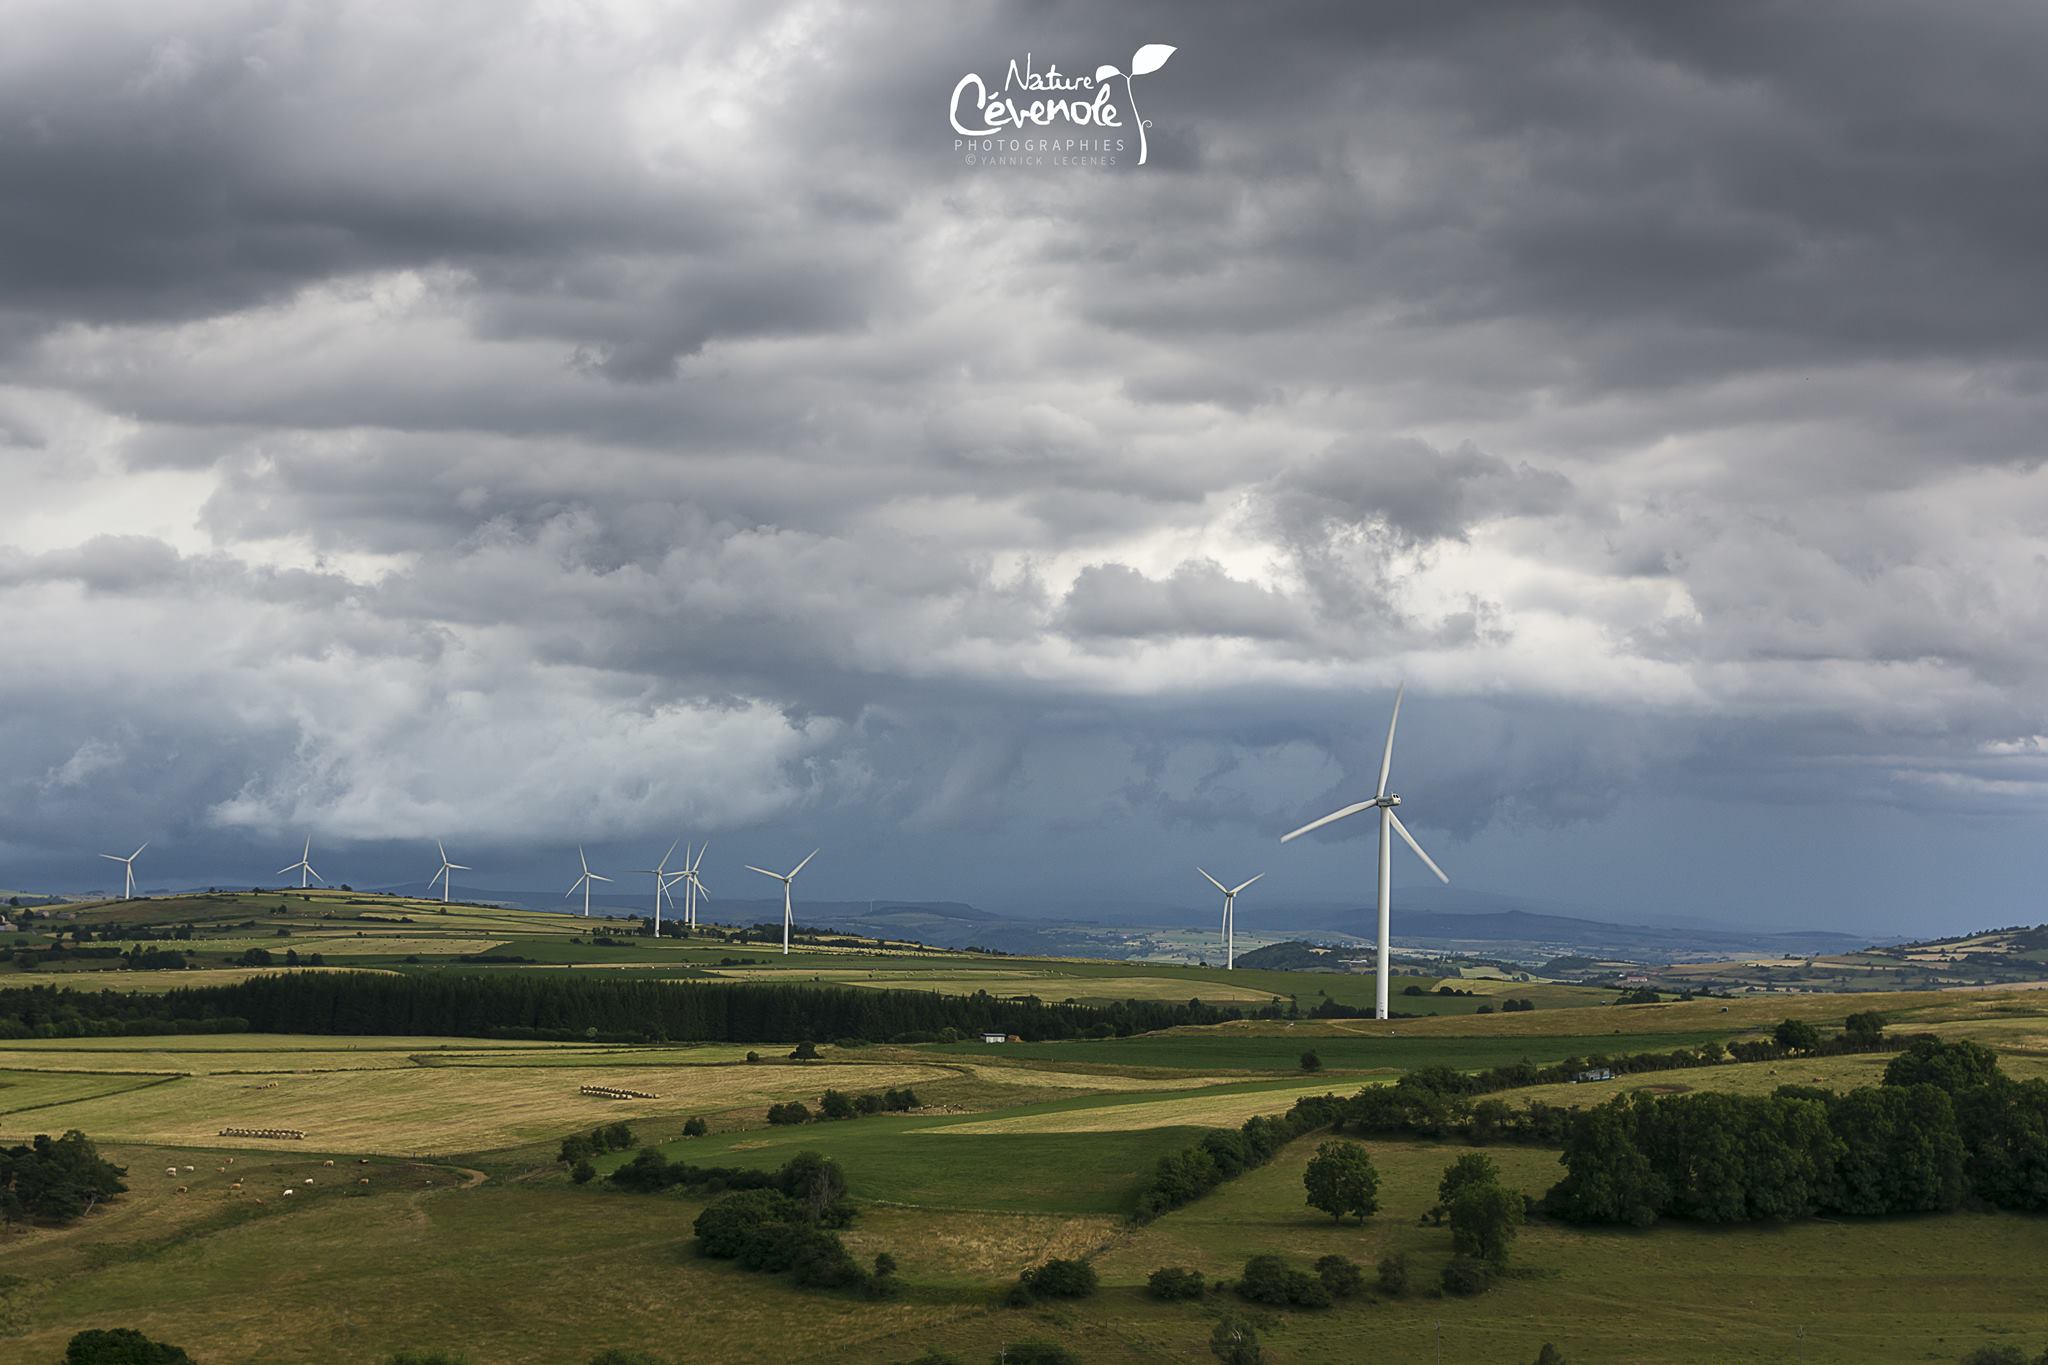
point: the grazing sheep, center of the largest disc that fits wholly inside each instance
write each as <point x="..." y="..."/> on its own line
<point x="326" y="1163"/>
<point x="184" y="1189"/>
<point x="364" y="1181"/>
<point x="170" y="1170"/>
<point x="289" y="1192"/>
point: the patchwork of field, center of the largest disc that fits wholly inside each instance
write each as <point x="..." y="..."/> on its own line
<point x="1049" y="985"/>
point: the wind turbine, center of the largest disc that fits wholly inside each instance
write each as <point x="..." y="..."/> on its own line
<point x="444" y="875"/>
<point x="583" y="882"/>
<point x="304" y="866"/>
<point x="785" y="878"/>
<point x="692" y="884"/>
<point x="660" y="871"/>
<point x="1229" y="916"/>
<point x="127" y="870"/>
<point x="1384" y="803"/>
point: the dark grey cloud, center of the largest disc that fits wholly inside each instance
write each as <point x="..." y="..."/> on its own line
<point x="532" y="425"/>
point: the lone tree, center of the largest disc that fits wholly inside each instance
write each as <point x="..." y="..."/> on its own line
<point x="121" y="1346"/>
<point x="1484" y="1217"/>
<point x="1340" y="1179"/>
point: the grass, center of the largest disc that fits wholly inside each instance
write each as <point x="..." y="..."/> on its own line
<point x="1228" y="1050"/>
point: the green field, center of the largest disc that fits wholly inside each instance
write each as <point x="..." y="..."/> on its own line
<point x="467" y="1236"/>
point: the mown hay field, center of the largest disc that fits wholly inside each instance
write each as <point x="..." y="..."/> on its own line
<point x="1221" y="1110"/>
<point x="435" y="1110"/>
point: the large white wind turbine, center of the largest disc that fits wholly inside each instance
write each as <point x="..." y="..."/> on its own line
<point x="1384" y="803"/>
<point x="127" y="870"/>
<point x="445" y="875"/>
<point x="583" y="882"/>
<point x="304" y="866"/>
<point x="785" y="878"/>
<point x="1229" y="916"/>
<point x="692" y="884"/>
<point x="660" y="871"/>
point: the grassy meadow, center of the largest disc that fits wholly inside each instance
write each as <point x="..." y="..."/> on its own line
<point x="444" y="1222"/>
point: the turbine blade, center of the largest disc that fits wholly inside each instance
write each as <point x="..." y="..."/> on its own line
<point x="1242" y="885"/>
<point x="315" y="875"/>
<point x="594" y="877"/>
<point x="136" y="854"/>
<point x="280" y="872"/>
<point x="764" y="872"/>
<point x="1387" y="758"/>
<point x="700" y="855"/>
<point x="1402" y="830"/>
<point x="581" y="859"/>
<point x="117" y="858"/>
<point x="805" y="863"/>
<point x="1212" y="881"/>
<point x="574" y="887"/>
<point x="460" y="867"/>
<point x="1333" y="815"/>
<point x="663" y="864"/>
<point x="444" y="849"/>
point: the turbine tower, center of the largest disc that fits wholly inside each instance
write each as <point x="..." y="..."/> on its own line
<point x="1389" y="823"/>
<point x="583" y="882"/>
<point x="785" y="878"/>
<point x="660" y="872"/>
<point x="444" y="876"/>
<point x="1229" y="916"/>
<point x="304" y="866"/>
<point x="127" y="870"/>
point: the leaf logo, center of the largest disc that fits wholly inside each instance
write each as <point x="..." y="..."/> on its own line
<point x="1144" y="62"/>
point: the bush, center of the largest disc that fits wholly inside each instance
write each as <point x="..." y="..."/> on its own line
<point x="1999" y="1354"/>
<point x="1467" y="1275"/>
<point x="806" y="1051"/>
<point x="1474" y="1168"/>
<point x="792" y="1112"/>
<point x="56" y="1180"/>
<point x="1394" y="1275"/>
<point x="1037" y="1353"/>
<point x="1311" y="1062"/>
<point x="121" y="1346"/>
<point x="625" y="1358"/>
<point x="582" y="1172"/>
<point x="726" y="1223"/>
<point x="1340" y="1275"/>
<point x="1549" y="1355"/>
<point x="1483" y="1218"/>
<point x="695" y="1128"/>
<point x="427" y="1358"/>
<point x="835" y="1104"/>
<point x="1270" y="1280"/>
<point x="1952" y="1066"/>
<point x="1061" y="1279"/>
<point x="1341" y="1179"/>
<point x="1172" y="1283"/>
<point x="1234" y="1342"/>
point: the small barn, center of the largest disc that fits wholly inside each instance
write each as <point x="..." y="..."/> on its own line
<point x="1597" y="1073"/>
<point x="995" y="1037"/>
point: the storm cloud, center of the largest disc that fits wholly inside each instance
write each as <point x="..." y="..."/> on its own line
<point x="530" y="425"/>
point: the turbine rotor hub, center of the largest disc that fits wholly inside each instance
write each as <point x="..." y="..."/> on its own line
<point x="1389" y="800"/>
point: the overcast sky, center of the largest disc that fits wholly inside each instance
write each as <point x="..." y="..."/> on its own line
<point x="604" y="422"/>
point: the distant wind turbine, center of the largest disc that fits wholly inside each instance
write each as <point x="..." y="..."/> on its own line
<point x="583" y="882"/>
<point x="127" y="870"/>
<point x="304" y="866"/>
<point x="1389" y="823"/>
<point x="785" y="878"/>
<point x="1229" y="916"/>
<point x="660" y="873"/>
<point x="692" y="884"/>
<point x="444" y="875"/>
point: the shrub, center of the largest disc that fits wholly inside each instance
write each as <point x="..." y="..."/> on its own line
<point x="726" y="1223"/>
<point x="695" y="1128"/>
<point x="1474" y="1168"/>
<point x="616" y="1357"/>
<point x="121" y="1346"/>
<point x="1270" y="1280"/>
<point x="1174" y="1282"/>
<point x="575" y="1147"/>
<point x="793" y="1112"/>
<point x="1549" y="1355"/>
<point x="1952" y="1066"/>
<point x="1311" y="1062"/>
<point x="1234" y="1342"/>
<point x="835" y="1104"/>
<point x="1998" y="1354"/>
<point x="1467" y="1275"/>
<point x="1340" y="1275"/>
<point x="1796" y="1035"/>
<point x="427" y="1358"/>
<point x="1394" y="1275"/>
<point x="582" y="1172"/>
<point x="1340" y="1179"/>
<point x="806" y="1051"/>
<point x="1061" y="1279"/>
